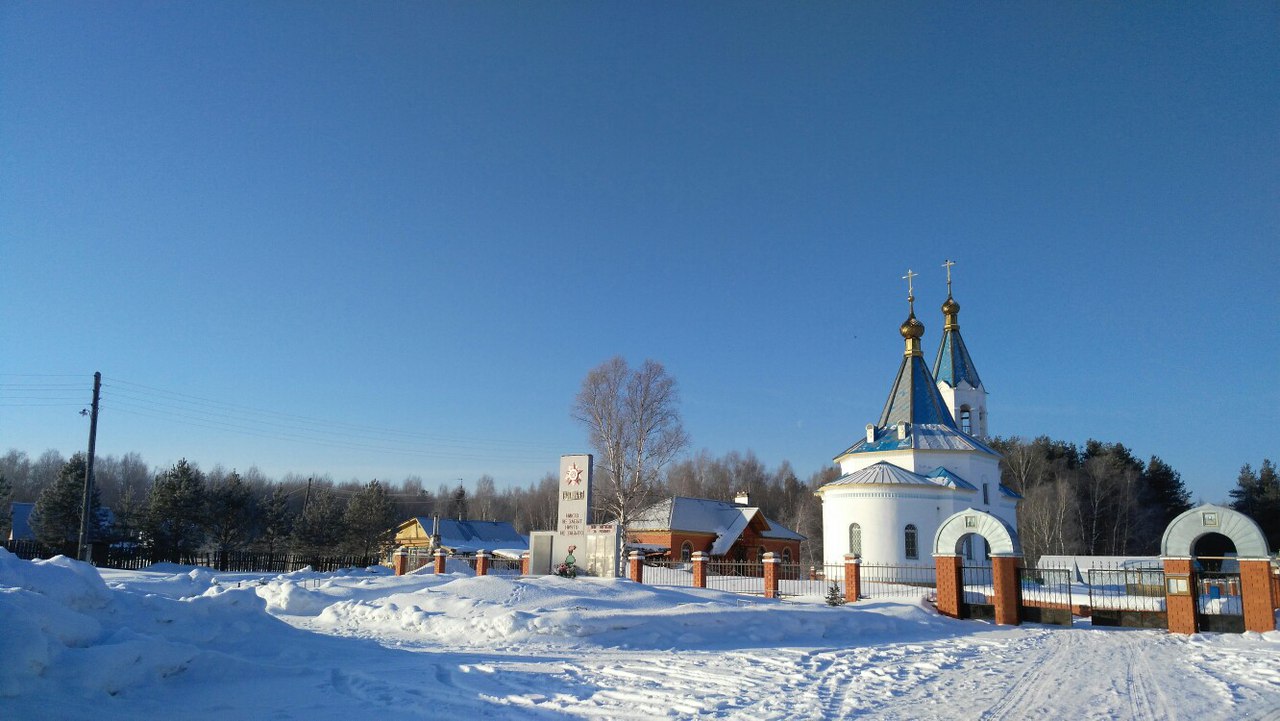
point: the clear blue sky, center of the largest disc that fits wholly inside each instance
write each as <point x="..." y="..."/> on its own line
<point x="434" y="218"/>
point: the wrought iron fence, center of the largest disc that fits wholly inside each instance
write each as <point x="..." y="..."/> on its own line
<point x="736" y="576"/>
<point x="134" y="557"/>
<point x="504" y="566"/>
<point x="1126" y="588"/>
<point x="796" y="579"/>
<point x="1049" y="587"/>
<point x="879" y="580"/>
<point x="668" y="573"/>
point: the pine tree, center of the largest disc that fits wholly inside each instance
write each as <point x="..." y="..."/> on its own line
<point x="1166" y="493"/>
<point x="1257" y="495"/>
<point x="56" y="516"/>
<point x="175" y="514"/>
<point x="458" y="506"/>
<point x="370" y="520"/>
<point x="320" y="528"/>
<point x="835" y="597"/>
<point x="6" y="513"/>
<point x="277" y="522"/>
<point x="230" y="515"/>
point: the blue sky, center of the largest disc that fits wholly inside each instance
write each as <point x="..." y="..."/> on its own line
<point x="418" y="225"/>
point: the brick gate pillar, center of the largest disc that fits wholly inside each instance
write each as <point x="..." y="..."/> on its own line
<point x="635" y="566"/>
<point x="482" y="563"/>
<point x="950" y="585"/>
<point x="771" y="562"/>
<point x="524" y="563"/>
<point x="400" y="561"/>
<point x="1004" y="578"/>
<point x="699" y="569"/>
<point x="439" y="560"/>
<point x="1255" y="592"/>
<point x="1180" y="601"/>
<point x="852" y="577"/>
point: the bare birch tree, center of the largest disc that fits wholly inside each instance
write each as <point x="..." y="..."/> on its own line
<point x="633" y="420"/>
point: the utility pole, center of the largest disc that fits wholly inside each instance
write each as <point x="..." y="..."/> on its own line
<point x="83" y="549"/>
<point x="307" y="498"/>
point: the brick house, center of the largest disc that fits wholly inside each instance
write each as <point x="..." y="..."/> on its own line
<point x="732" y="531"/>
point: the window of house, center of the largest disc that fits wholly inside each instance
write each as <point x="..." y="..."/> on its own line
<point x="855" y="539"/>
<point x="786" y="555"/>
<point x="686" y="551"/>
<point x="913" y="547"/>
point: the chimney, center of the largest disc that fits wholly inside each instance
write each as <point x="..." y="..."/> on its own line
<point x="742" y="499"/>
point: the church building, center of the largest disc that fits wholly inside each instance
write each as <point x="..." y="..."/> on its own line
<point x="922" y="462"/>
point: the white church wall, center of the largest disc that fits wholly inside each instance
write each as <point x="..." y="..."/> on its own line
<point x="883" y="514"/>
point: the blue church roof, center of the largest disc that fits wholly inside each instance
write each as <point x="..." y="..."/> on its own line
<point x="914" y="397"/>
<point x="953" y="364"/>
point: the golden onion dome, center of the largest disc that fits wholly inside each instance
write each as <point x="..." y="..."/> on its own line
<point x="911" y="328"/>
<point x="951" y="307"/>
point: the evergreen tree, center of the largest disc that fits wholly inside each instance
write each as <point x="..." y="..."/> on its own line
<point x="370" y="520"/>
<point x="175" y="514"/>
<point x="1257" y="495"/>
<point x="6" y="513"/>
<point x="230" y="515"/>
<point x="276" y="520"/>
<point x="1165" y="492"/>
<point x="56" y="516"/>
<point x="320" y="528"/>
<point x="458" y="506"/>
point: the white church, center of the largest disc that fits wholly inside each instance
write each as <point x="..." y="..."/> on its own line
<point x="922" y="462"/>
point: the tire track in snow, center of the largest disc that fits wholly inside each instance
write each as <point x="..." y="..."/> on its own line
<point x="1040" y="678"/>
<point x="1146" y="699"/>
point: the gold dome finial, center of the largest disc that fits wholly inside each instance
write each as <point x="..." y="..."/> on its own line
<point x="950" y="308"/>
<point x="911" y="329"/>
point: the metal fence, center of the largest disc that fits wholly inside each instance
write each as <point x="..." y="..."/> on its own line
<point x="797" y="580"/>
<point x="1121" y="588"/>
<point x="668" y="573"/>
<point x="979" y="588"/>
<point x="736" y="576"/>
<point x="504" y="566"/>
<point x="881" y="580"/>
<point x="133" y="557"/>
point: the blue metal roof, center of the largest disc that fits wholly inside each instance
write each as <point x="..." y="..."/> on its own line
<point x="954" y="364"/>
<point x="950" y="479"/>
<point x="914" y="397"/>
<point x="926" y="437"/>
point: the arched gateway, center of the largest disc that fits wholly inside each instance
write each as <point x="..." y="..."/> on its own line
<point x="1006" y="551"/>
<point x="1180" y="537"/>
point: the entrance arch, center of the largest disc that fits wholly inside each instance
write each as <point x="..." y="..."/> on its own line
<point x="1001" y="537"/>
<point x="1180" y="537"/>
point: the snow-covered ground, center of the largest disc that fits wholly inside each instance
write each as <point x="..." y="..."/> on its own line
<point x="175" y="643"/>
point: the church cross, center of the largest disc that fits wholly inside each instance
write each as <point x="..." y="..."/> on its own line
<point x="911" y="295"/>
<point x="948" y="265"/>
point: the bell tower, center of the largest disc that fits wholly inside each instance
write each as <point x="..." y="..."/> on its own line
<point x="955" y="373"/>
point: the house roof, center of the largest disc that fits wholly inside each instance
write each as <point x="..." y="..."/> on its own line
<point x="471" y="536"/>
<point x="21" y="515"/>
<point x="724" y="519"/>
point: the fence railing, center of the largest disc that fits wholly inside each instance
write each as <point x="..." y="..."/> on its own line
<point x="1120" y="588"/>
<point x="898" y="581"/>
<point x="504" y="566"/>
<point x="669" y="573"/>
<point x="736" y="576"/>
<point x="979" y="587"/>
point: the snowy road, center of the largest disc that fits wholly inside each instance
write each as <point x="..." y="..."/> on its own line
<point x="179" y="644"/>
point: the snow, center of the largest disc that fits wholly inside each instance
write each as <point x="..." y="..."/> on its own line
<point x="176" y="642"/>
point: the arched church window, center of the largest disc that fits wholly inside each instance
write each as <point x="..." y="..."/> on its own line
<point x="855" y="539"/>
<point x="912" y="539"/>
<point x="686" y="551"/>
<point x="966" y="420"/>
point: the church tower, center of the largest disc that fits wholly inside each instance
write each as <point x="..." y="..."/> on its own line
<point x="957" y="377"/>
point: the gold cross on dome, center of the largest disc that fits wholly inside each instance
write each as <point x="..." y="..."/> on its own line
<point x="911" y="295"/>
<point x="947" y="265"/>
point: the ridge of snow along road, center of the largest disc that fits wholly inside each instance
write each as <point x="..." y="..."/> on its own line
<point x="181" y="643"/>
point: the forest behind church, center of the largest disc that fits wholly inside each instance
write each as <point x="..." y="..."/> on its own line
<point x="1095" y="499"/>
